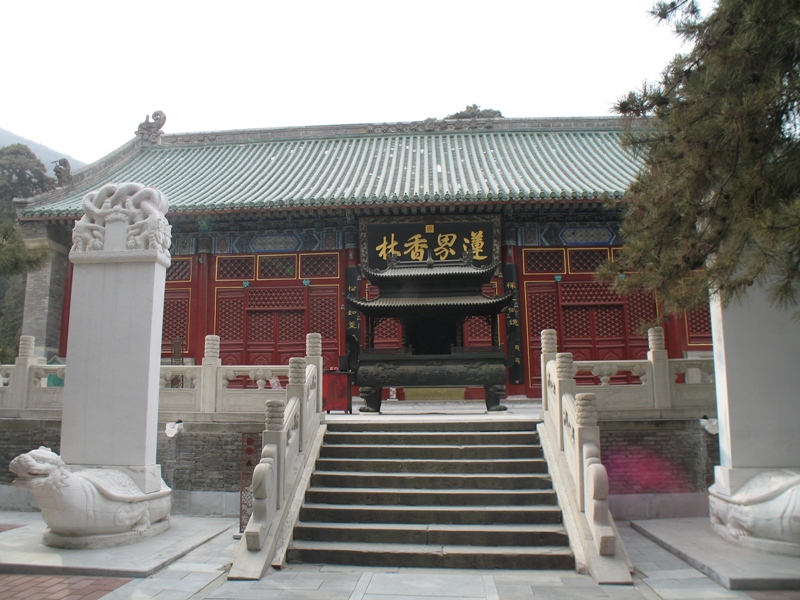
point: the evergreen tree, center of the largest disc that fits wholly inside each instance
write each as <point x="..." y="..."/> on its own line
<point x="22" y="175"/>
<point x="11" y="317"/>
<point x="717" y="205"/>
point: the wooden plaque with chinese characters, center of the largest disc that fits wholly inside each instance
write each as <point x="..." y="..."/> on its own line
<point x="435" y="237"/>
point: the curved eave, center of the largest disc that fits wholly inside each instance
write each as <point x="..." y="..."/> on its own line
<point x="366" y="205"/>
<point x="477" y="305"/>
<point x="439" y="271"/>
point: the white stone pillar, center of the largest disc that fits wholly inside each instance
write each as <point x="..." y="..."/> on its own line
<point x="120" y="253"/>
<point x="757" y="375"/>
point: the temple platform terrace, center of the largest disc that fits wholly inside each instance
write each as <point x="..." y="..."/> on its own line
<point x="191" y="561"/>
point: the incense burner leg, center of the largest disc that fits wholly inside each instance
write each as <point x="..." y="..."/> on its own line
<point x="495" y="393"/>
<point x="372" y="399"/>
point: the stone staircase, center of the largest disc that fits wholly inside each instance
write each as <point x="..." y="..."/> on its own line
<point x="471" y="494"/>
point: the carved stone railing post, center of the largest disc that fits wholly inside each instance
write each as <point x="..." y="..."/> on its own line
<point x="549" y="350"/>
<point x="657" y="355"/>
<point x="264" y="491"/>
<point x="275" y="435"/>
<point x="565" y="372"/>
<point x="208" y="379"/>
<point x="297" y="378"/>
<point x="21" y="380"/>
<point x="314" y="357"/>
<point x="586" y="432"/>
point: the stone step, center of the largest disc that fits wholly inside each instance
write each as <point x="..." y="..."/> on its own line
<point x="431" y="466"/>
<point x="441" y="497"/>
<point x="429" y="452"/>
<point x="432" y="555"/>
<point x="442" y="534"/>
<point x="430" y="481"/>
<point x="390" y="533"/>
<point x="485" y="425"/>
<point x="425" y="438"/>
<point x="353" y="513"/>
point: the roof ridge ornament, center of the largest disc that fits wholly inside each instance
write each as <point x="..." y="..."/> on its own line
<point x="150" y="131"/>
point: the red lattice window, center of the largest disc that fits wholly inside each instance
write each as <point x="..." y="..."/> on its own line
<point x="235" y="268"/>
<point x="479" y="327"/>
<point x="385" y="329"/>
<point x="179" y="270"/>
<point x="292" y="326"/>
<point x="588" y="292"/>
<point x="276" y="267"/>
<point x="323" y="316"/>
<point x="586" y="261"/>
<point x="699" y="320"/>
<point x="608" y="321"/>
<point x="641" y="311"/>
<point x="260" y="326"/>
<point x="489" y="289"/>
<point x="276" y="298"/>
<point x="542" y="312"/>
<point x="319" y="265"/>
<point x="544" y="261"/>
<point x="576" y="322"/>
<point x="230" y="318"/>
<point x="176" y="317"/>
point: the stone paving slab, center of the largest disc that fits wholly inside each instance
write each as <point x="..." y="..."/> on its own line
<point x="22" y="550"/>
<point x="730" y="565"/>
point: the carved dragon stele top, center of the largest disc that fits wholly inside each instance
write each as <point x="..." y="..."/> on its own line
<point x="141" y="208"/>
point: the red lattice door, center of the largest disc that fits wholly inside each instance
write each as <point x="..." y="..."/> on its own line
<point x="591" y="320"/>
<point x="268" y="325"/>
<point x="275" y="325"/>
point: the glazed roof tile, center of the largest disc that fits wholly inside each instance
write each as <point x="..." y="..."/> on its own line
<point x="506" y="160"/>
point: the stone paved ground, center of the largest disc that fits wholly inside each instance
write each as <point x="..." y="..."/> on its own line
<point x="200" y="575"/>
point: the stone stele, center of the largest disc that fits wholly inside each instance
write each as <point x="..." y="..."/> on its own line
<point x="106" y="488"/>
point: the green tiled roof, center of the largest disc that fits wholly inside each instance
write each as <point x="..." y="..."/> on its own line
<point x="359" y="166"/>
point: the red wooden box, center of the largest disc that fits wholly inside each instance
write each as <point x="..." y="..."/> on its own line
<point x="336" y="391"/>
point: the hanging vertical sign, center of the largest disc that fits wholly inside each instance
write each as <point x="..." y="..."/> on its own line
<point x="352" y="316"/>
<point x="513" y="330"/>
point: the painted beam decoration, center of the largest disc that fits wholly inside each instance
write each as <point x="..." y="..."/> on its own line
<point x="435" y="238"/>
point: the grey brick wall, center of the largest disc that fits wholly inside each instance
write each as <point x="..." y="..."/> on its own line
<point x="658" y="457"/>
<point x="204" y="458"/>
<point x="20" y="436"/>
<point x="44" y="295"/>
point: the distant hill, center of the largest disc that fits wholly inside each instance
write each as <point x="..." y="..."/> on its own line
<point x="45" y="154"/>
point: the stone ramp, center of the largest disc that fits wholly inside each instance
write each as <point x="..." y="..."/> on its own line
<point x="432" y="494"/>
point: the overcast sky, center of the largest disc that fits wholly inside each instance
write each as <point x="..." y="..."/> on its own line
<point x="80" y="76"/>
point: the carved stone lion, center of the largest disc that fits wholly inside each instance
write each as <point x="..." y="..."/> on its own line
<point x="764" y="512"/>
<point x="90" y="502"/>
